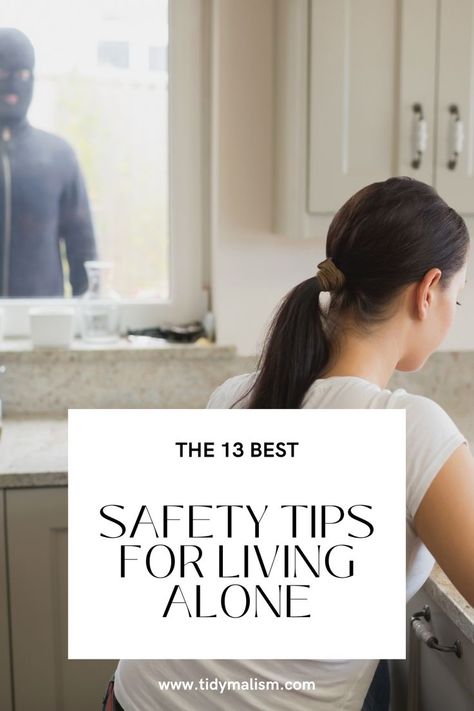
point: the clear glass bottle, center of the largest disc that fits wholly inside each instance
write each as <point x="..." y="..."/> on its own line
<point x="100" y="305"/>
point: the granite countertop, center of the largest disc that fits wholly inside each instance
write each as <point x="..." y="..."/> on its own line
<point x="33" y="452"/>
<point x="442" y="591"/>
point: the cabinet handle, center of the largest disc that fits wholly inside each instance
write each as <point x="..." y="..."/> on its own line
<point x="420" y="135"/>
<point x="456" y="136"/>
<point x="425" y="633"/>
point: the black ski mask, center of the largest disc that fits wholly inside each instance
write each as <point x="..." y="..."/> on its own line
<point x="17" y="60"/>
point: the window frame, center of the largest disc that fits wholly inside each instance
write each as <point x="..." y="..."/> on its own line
<point x="189" y="187"/>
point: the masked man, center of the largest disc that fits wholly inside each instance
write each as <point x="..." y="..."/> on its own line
<point x="43" y="198"/>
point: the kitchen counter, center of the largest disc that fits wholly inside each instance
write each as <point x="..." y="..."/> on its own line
<point x="33" y="453"/>
<point x="22" y="350"/>
<point x="442" y="591"/>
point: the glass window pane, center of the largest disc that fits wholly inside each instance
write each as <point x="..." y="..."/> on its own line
<point x="100" y="83"/>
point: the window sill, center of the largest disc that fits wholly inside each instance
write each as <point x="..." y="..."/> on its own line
<point x="22" y="350"/>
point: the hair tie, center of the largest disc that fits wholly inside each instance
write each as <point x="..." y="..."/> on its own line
<point x="329" y="276"/>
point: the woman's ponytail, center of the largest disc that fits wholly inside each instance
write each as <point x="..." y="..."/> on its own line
<point x="295" y="352"/>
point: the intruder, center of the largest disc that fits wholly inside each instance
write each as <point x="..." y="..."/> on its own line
<point x="43" y="198"/>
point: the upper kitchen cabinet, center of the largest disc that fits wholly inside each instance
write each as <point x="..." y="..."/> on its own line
<point x="454" y="176"/>
<point x="352" y="103"/>
<point x="366" y="89"/>
<point x="416" y="80"/>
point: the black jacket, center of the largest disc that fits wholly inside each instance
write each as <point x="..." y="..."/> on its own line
<point x="43" y="200"/>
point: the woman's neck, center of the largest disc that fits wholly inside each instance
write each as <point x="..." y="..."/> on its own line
<point x="372" y="357"/>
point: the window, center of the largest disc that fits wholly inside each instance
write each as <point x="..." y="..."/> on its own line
<point x="123" y="82"/>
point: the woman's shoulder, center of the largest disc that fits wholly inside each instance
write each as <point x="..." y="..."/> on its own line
<point x="431" y="437"/>
<point x="421" y="410"/>
<point x="429" y="428"/>
<point x="231" y="390"/>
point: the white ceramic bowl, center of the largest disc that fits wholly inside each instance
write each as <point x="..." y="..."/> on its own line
<point x="51" y="327"/>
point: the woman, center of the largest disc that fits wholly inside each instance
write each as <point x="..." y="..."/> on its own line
<point x="395" y="267"/>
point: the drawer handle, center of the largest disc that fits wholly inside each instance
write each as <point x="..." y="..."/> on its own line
<point x="425" y="633"/>
<point x="420" y="135"/>
<point x="456" y="136"/>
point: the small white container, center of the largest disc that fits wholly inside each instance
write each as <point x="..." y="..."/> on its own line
<point x="51" y="327"/>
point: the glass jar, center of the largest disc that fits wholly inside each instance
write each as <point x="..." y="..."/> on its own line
<point x="100" y="305"/>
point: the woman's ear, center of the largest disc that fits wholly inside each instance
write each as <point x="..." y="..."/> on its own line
<point x="424" y="292"/>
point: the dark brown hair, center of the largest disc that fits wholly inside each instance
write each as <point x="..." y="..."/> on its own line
<point x="386" y="236"/>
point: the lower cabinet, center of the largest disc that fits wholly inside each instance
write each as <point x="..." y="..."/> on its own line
<point x="43" y="677"/>
<point x="6" y="701"/>
<point x="444" y="680"/>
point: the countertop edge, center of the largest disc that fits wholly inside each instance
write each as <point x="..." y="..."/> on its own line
<point x="21" y="351"/>
<point x="449" y="599"/>
<point x="25" y="480"/>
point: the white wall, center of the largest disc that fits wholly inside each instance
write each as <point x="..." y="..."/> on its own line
<point x="252" y="267"/>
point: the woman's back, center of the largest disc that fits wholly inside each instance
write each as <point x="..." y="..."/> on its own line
<point x="431" y="437"/>
<point x="335" y="684"/>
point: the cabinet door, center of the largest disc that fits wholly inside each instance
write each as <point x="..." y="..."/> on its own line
<point x="456" y="88"/>
<point x="43" y="677"/>
<point x="444" y="680"/>
<point x="5" y="670"/>
<point x="353" y="102"/>
<point x="417" y="86"/>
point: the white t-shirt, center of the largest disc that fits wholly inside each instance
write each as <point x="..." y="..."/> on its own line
<point x="341" y="685"/>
